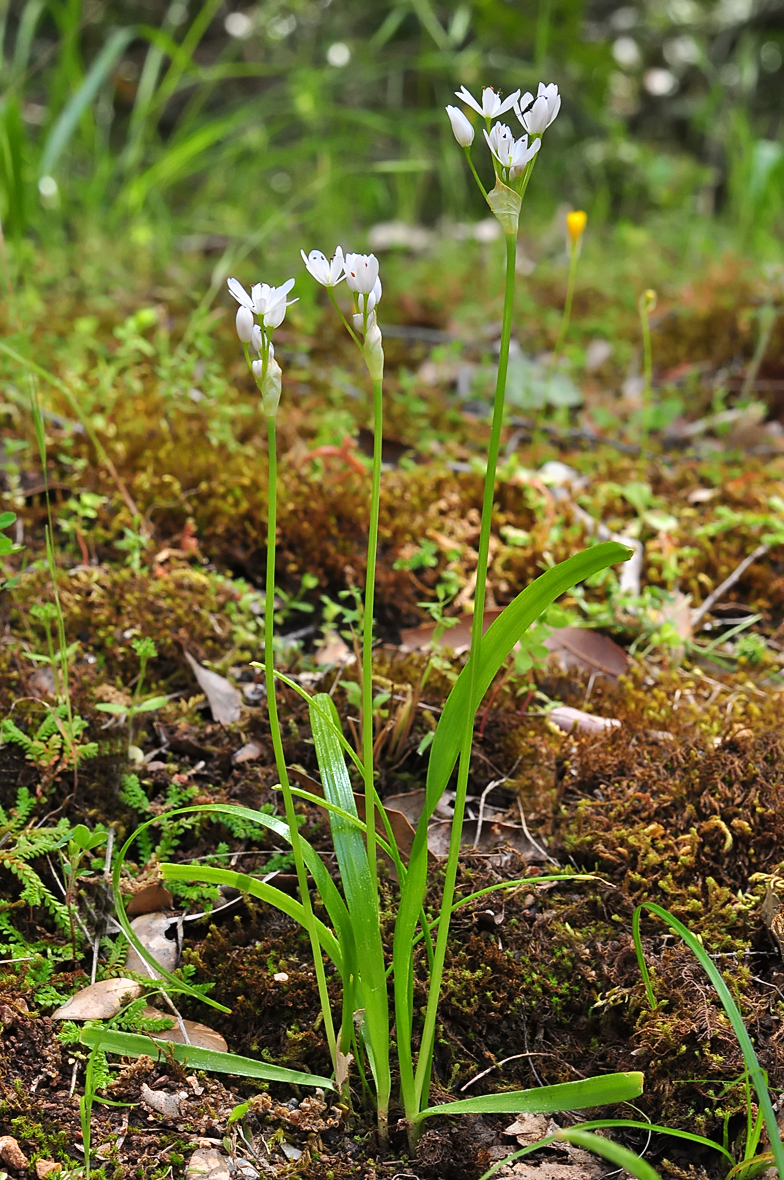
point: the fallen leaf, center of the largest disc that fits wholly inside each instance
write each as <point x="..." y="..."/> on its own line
<point x="588" y="651"/>
<point x="199" y="1035"/>
<point x="149" y="900"/>
<point x="567" y="719"/>
<point x="99" y="1001"/>
<point x="248" y="753"/>
<point x="222" y="697"/>
<point x="11" y="1153"/>
<point x="333" y="650"/>
<point x="493" y="835"/>
<point x="163" y="1103"/>
<point x="458" y="637"/>
<point x="151" y="929"/>
<point x="528" y="1128"/>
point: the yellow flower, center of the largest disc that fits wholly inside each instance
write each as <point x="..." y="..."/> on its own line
<point x="575" y="224"/>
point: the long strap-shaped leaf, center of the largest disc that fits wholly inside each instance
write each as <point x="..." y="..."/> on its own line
<point x="336" y="907"/>
<point x="134" y="1045"/>
<point x="361" y="896"/>
<point x="607" y="1088"/>
<point x="497" y="643"/>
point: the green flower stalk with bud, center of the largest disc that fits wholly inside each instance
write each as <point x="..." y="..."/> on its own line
<point x="646" y="306"/>
<point x="575" y="228"/>
<point x="258" y="315"/>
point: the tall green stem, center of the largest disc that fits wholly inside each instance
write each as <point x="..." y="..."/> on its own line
<point x="422" y="1080"/>
<point x="367" y="637"/>
<point x="567" y="312"/>
<point x="277" y="743"/>
<point x="647" y="363"/>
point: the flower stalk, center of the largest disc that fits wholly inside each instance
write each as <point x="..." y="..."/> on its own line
<point x="575" y="226"/>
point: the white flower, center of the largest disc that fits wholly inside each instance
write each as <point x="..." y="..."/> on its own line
<point x="536" y="114"/>
<point x="492" y="106"/>
<point x="329" y="274"/>
<point x="361" y="272"/>
<point x="245" y="323"/>
<point x="264" y="300"/>
<point x="366" y="303"/>
<point x="240" y="294"/>
<point x="464" y="132"/>
<point x="270" y="302"/>
<point x="510" y="153"/>
<point x="256" y="338"/>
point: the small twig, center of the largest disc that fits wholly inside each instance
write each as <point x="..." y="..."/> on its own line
<point x="535" y="843"/>
<point x="727" y="584"/>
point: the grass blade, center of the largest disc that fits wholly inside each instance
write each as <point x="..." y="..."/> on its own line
<point x="616" y="1153"/>
<point x="134" y="1045"/>
<point x="361" y="896"/>
<point x="755" y="1071"/>
<point x="611" y="1088"/>
<point x="72" y="111"/>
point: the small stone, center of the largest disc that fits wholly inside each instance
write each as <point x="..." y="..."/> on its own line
<point x="280" y="977"/>
<point x="11" y="1153"/>
<point x="46" y="1168"/>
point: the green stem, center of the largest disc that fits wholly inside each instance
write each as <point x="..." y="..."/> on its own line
<point x="367" y="637"/>
<point x="346" y="324"/>
<point x="648" y="377"/>
<point x="277" y="743"/>
<point x="450" y="878"/>
<point x="567" y="312"/>
<point x="476" y="174"/>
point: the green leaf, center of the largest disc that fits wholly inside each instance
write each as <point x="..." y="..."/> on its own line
<point x="7" y="518"/>
<point x="611" y="1088"/>
<point x="361" y="896"/>
<point x="621" y="1156"/>
<point x="111" y="707"/>
<point x="133" y="1045"/>
<point x="72" y="112"/>
<point x="151" y="704"/>
<point x="755" y="1071"/>
<point x="497" y="643"/>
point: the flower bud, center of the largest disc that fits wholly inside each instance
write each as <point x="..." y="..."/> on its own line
<point x="245" y="324"/>
<point x="575" y="225"/>
<point x="270" y="389"/>
<point x="648" y="301"/>
<point x="258" y="369"/>
<point x="256" y="338"/>
<point x="373" y="352"/>
<point x="463" y="131"/>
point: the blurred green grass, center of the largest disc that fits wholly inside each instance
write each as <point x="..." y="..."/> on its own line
<point x="158" y="120"/>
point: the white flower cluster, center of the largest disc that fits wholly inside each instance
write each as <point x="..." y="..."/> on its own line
<point x="535" y="115"/>
<point x="361" y="274"/>
<point x="268" y="304"/>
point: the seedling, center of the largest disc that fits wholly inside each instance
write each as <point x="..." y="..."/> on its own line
<point x="145" y="650"/>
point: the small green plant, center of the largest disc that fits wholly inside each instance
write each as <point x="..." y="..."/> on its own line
<point x="145" y="650"/>
<point x="7" y="546"/>
<point x="56" y="744"/>
<point x="21" y="844"/>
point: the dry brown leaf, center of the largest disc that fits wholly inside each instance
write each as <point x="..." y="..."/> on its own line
<point x="248" y="753"/>
<point x="150" y="899"/>
<point x="528" y="1128"/>
<point x="199" y="1035"/>
<point x="222" y="697"/>
<point x="207" y="1163"/>
<point x="165" y="1104"/>
<point x="493" y="835"/>
<point x="458" y="638"/>
<point x="99" y="1001"/>
<point x="567" y="719"/>
<point x="151" y="929"/>
<point x="588" y="651"/>
<point x="334" y="650"/>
